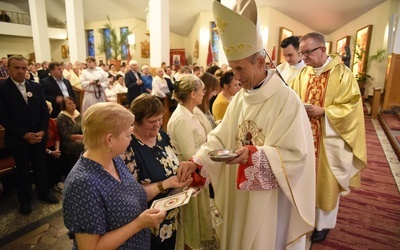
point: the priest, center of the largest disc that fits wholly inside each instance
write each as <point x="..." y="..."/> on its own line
<point x="266" y="194"/>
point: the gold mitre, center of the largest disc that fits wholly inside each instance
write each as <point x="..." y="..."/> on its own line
<point x="239" y="29"/>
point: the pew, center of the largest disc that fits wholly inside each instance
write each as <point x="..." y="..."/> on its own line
<point x="123" y="100"/>
<point x="7" y="163"/>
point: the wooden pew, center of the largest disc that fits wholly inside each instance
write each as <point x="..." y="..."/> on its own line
<point x="123" y="100"/>
<point x="7" y="163"/>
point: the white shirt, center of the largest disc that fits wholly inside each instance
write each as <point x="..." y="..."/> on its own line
<point x="21" y="87"/>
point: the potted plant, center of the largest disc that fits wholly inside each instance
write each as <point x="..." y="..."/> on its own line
<point x="114" y="43"/>
<point x="363" y="76"/>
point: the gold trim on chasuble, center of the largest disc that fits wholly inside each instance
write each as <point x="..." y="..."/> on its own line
<point x="315" y="95"/>
<point x="249" y="134"/>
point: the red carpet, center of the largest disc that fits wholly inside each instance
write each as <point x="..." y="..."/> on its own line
<point x="369" y="218"/>
<point x="392" y="121"/>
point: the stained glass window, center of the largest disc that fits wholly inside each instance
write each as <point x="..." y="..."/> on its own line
<point x="107" y="40"/>
<point x="90" y="42"/>
<point x="125" y="44"/>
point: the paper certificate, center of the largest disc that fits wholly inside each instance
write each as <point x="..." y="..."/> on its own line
<point x="307" y="105"/>
<point x="173" y="201"/>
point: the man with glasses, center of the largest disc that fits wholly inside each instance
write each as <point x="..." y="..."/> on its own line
<point x="294" y="62"/>
<point x="337" y="121"/>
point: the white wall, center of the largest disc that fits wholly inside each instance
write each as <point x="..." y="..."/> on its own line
<point x="11" y="7"/>
<point x="201" y="33"/>
<point x="24" y="46"/>
<point x="16" y="45"/>
<point x="272" y="20"/>
<point x="379" y="18"/>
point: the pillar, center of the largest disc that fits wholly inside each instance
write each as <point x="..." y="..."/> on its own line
<point x="40" y="31"/>
<point x="76" y="30"/>
<point x="159" y="32"/>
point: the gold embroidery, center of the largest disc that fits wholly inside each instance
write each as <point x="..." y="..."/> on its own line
<point x="238" y="49"/>
<point x="249" y="134"/>
<point x="221" y="24"/>
<point x="315" y="95"/>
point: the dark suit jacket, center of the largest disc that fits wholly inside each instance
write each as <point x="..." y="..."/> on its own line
<point x="43" y="73"/>
<point x="134" y="90"/>
<point x="170" y="84"/>
<point x="18" y="117"/>
<point x="52" y="90"/>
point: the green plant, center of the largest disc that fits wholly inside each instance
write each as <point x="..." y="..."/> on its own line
<point x="380" y="55"/>
<point x="114" y="43"/>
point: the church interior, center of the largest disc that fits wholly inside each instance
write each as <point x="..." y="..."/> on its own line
<point x="183" y="33"/>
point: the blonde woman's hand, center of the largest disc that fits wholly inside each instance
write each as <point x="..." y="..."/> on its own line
<point x="151" y="217"/>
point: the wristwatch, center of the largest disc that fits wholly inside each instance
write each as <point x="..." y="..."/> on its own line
<point x="160" y="187"/>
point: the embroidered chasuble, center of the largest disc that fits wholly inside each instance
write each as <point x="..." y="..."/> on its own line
<point x="273" y="120"/>
<point x="315" y="95"/>
<point x="341" y="129"/>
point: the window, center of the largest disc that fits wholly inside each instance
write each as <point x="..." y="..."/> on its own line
<point x="107" y="40"/>
<point x="125" y="44"/>
<point x="90" y="42"/>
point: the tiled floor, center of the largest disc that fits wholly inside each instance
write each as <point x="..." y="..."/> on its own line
<point x="43" y="229"/>
<point x="52" y="235"/>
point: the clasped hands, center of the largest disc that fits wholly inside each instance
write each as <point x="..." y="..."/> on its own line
<point x="33" y="138"/>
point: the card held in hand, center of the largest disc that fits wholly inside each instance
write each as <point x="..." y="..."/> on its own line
<point x="173" y="201"/>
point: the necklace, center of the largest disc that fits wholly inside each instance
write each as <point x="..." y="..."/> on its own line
<point x="148" y="142"/>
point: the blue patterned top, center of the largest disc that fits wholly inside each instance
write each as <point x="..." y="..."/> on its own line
<point x="96" y="203"/>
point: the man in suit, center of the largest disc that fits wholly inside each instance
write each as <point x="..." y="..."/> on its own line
<point x="133" y="81"/>
<point x="25" y="117"/>
<point x="55" y="87"/>
<point x="44" y="72"/>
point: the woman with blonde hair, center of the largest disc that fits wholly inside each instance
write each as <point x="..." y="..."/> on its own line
<point x="104" y="206"/>
<point x="187" y="135"/>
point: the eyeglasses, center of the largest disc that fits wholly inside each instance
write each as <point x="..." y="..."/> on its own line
<point x="308" y="52"/>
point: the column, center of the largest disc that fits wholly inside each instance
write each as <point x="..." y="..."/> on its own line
<point x="159" y="32"/>
<point x="76" y="30"/>
<point x="40" y="31"/>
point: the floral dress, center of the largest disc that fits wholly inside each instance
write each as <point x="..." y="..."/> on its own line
<point x="151" y="165"/>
